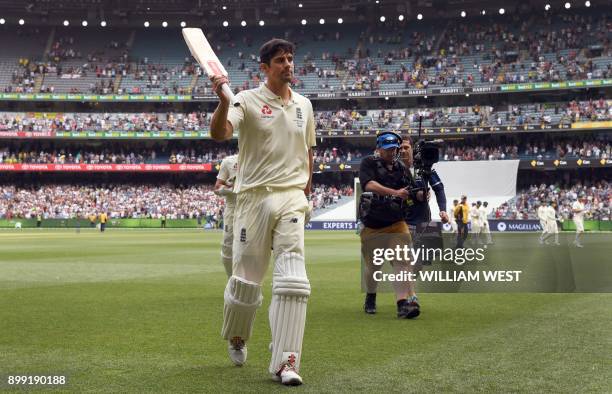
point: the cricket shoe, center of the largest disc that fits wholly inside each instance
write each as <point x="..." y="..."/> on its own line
<point x="408" y="309"/>
<point x="288" y="376"/>
<point x="237" y="351"/>
<point x="578" y="244"/>
<point x="369" y="305"/>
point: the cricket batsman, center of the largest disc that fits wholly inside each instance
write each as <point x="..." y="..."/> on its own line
<point x="276" y="133"/>
<point x="225" y="187"/>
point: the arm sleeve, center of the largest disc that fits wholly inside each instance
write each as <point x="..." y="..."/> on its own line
<point x="367" y="171"/>
<point x="311" y="135"/>
<point x="236" y="115"/>
<point x="438" y="188"/>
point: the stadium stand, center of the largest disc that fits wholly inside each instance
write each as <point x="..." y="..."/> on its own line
<point x="470" y="52"/>
<point x="535" y="146"/>
<point x="453" y="53"/>
<point x="523" y="206"/>
<point x="391" y="119"/>
<point x="63" y="201"/>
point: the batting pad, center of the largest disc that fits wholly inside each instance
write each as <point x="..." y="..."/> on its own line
<point x="242" y="298"/>
<point x="290" y="292"/>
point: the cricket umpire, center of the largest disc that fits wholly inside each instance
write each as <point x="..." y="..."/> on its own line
<point x="386" y="184"/>
<point x="276" y="133"/>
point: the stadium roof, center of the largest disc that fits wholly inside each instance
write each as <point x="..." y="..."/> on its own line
<point x="201" y="12"/>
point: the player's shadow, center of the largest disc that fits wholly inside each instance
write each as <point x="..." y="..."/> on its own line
<point x="253" y="376"/>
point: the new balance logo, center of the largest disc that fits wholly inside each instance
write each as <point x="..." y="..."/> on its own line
<point x="298" y="112"/>
<point x="243" y="235"/>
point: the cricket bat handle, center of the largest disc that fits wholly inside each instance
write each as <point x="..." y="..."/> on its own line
<point x="229" y="94"/>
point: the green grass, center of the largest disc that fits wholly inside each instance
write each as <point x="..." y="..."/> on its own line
<point x="140" y="311"/>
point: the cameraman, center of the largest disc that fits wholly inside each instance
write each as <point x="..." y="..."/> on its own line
<point x="418" y="216"/>
<point x="420" y="213"/>
<point x="386" y="182"/>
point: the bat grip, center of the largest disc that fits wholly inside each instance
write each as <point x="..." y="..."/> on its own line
<point x="228" y="92"/>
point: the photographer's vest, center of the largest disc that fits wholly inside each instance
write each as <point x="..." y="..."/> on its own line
<point x="386" y="211"/>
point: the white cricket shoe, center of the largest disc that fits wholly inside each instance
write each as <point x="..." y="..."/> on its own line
<point x="288" y="376"/>
<point x="237" y="351"/>
<point x="578" y="244"/>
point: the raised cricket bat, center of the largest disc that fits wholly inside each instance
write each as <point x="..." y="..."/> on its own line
<point x="204" y="54"/>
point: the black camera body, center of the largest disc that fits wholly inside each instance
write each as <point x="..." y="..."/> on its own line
<point x="426" y="154"/>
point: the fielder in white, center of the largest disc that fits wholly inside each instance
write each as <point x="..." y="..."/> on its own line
<point x="225" y="187"/>
<point x="550" y="217"/>
<point x="541" y="213"/>
<point x="579" y="210"/>
<point x="276" y="135"/>
<point x="475" y="224"/>
<point x="483" y="215"/>
<point x="451" y="217"/>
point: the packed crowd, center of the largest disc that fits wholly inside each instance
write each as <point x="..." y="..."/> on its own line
<point x="336" y="155"/>
<point x="337" y="120"/>
<point x="540" y="148"/>
<point x="343" y="119"/>
<point x="536" y="148"/>
<point x="515" y="114"/>
<point x="595" y="146"/>
<point x="118" y="154"/>
<point x="324" y="196"/>
<point x="119" y="200"/>
<point x="524" y="205"/>
<point x="64" y="201"/>
<point x="146" y="121"/>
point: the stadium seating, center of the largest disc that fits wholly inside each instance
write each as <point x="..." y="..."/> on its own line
<point x="394" y="119"/>
<point x="62" y="201"/>
<point x="354" y="57"/>
<point x="523" y="206"/>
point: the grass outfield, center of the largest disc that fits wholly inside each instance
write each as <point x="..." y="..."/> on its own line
<point x="141" y="310"/>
